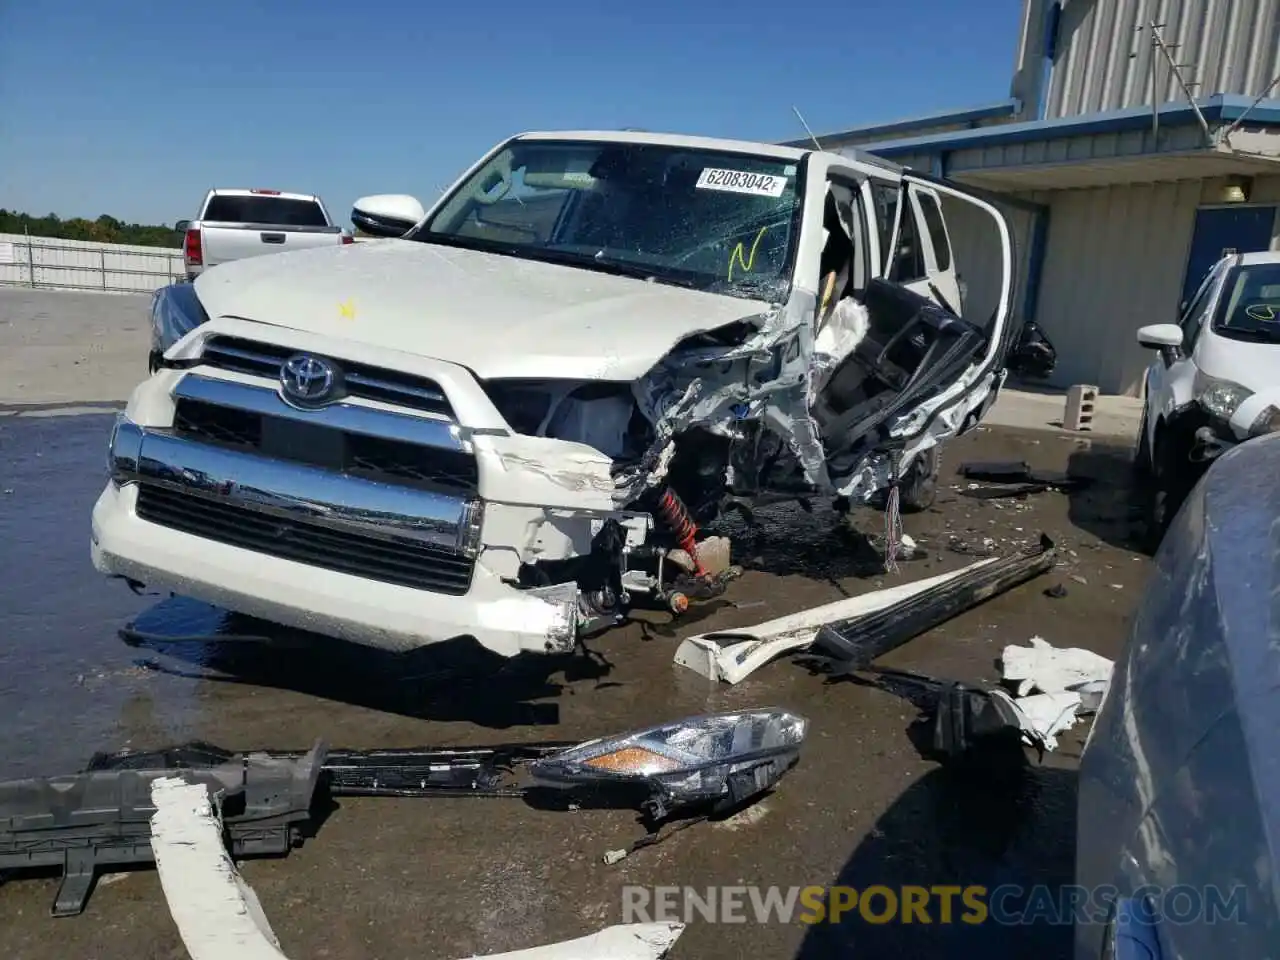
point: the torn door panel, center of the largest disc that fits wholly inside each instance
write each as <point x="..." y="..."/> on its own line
<point x="888" y="375"/>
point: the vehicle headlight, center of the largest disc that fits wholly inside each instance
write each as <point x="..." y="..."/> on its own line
<point x="175" y="312"/>
<point x="1268" y="421"/>
<point x="1220" y="397"/>
<point x="721" y="759"/>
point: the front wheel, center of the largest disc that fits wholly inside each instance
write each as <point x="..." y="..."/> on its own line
<point x="919" y="488"/>
<point x="1142" y="456"/>
<point x="1172" y="478"/>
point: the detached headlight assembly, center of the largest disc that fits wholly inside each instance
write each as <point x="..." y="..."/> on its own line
<point x="175" y="312"/>
<point x="1219" y="397"/>
<point x="717" y="760"/>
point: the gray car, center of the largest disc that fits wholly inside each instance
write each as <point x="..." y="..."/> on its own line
<point x="1180" y="778"/>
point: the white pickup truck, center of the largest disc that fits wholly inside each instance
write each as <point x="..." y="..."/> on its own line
<point x="235" y="224"/>
<point x="517" y="420"/>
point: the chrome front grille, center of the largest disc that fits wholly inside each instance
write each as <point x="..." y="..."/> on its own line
<point x="321" y="445"/>
<point x="404" y="562"/>
<point x="360" y="380"/>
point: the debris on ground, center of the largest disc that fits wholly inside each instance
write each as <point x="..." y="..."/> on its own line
<point x="857" y="630"/>
<point x="732" y="655"/>
<point x="986" y="547"/>
<point x="1016" y="479"/>
<point x="217" y="914"/>
<point x="103" y="817"/>
<point x="1056" y="592"/>
<point x="1055" y="687"/>
<point x="219" y="917"/>
<point x="87" y="822"/>
<point x="957" y="718"/>
<point x="857" y="641"/>
<point x="717" y="762"/>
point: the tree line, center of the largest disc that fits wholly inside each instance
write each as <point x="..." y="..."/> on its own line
<point x="105" y="229"/>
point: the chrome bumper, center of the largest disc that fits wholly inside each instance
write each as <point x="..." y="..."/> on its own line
<point x="295" y="491"/>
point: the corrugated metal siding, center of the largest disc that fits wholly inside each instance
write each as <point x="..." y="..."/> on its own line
<point x="1115" y="261"/>
<point x="974" y="244"/>
<point x="1104" y="60"/>
<point x="49" y="263"/>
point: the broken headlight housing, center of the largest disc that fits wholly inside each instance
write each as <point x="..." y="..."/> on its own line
<point x="175" y="312"/>
<point x="720" y="759"/>
<point x="1221" y="398"/>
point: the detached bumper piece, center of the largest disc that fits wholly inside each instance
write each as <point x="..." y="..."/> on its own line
<point x="860" y="640"/>
<point x="102" y="818"/>
<point x="958" y="719"/>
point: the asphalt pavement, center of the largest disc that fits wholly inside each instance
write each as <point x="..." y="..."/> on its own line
<point x="426" y="879"/>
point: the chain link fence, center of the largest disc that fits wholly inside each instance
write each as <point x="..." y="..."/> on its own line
<point x="51" y="264"/>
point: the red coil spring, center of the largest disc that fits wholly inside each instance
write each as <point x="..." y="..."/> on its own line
<point x="675" y="514"/>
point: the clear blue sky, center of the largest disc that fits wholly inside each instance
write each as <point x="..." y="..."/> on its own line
<point x="136" y="107"/>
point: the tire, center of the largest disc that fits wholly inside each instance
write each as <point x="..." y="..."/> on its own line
<point x="1171" y="479"/>
<point x="1142" y="470"/>
<point x="919" y="489"/>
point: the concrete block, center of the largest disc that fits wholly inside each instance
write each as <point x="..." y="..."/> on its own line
<point x="1078" y="415"/>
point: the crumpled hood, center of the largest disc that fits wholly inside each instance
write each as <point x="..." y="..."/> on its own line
<point x="498" y="316"/>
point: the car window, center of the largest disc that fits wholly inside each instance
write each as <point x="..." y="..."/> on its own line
<point x="1193" y="319"/>
<point x="1249" y="308"/>
<point x="265" y="211"/>
<point x="843" y="264"/>
<point x="885" y="196"/>
<point x="908" y="258"/>
<point x="724" y="222"/>
<point x="527" y="213"/>
<point x="937" y="231"/>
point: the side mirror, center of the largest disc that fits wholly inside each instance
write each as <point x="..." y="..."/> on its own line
<point x="1160" y="336"/>
<point x="181" y="226"/>
<point x="1033" y="356"/>
<point x="1165" y="337"/>
<point x="386" y="214"/>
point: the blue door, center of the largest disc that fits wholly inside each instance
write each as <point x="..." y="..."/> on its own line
<point x="1221" y="231"/>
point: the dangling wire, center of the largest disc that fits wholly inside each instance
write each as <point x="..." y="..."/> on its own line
<point x="892" y="524"/>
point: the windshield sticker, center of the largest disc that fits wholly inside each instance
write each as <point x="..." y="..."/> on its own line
<point x="1262" y="312"/>
<point x="749" y="261"/>
<point x="738" y="181"/>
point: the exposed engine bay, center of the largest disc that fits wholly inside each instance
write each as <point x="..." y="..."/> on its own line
<point x="745" y="416"/>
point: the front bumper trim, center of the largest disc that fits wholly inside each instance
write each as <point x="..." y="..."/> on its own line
<point x="369" y="612"/>
<point x="293" y="490"/>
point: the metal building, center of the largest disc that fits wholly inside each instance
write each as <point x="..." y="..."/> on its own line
<point x="1140" y="141"/>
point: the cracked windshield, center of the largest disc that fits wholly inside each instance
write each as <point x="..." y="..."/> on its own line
<point x="714" y="221"/>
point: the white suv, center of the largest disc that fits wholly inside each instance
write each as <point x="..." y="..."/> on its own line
<point x="1216" y="382"/>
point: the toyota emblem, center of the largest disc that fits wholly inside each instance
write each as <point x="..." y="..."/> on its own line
<point x="308" y="381"/>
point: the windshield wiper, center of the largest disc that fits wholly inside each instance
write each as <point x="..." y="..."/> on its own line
<point x="619" y="268"/>
<point x="623" y="269"/>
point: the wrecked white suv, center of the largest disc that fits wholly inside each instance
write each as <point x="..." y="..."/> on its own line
<point x="506" y="424"/>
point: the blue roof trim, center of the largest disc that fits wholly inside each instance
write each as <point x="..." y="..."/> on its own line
<point x="1221" y="108"/>
<point x="1005" y="108"/>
